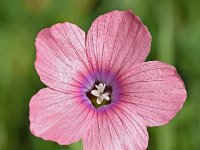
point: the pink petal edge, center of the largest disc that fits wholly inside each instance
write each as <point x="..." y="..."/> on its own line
<point x="59" y="117"/>
<point x="61" y="56"/>
<point x="154" y="90"/>
<point x="116" y="41"/>
<point x="117" y="129"/>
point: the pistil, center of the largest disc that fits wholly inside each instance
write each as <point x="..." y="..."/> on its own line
<point x="100" y="94"/>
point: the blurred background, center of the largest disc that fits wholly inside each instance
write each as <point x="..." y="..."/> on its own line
<point x="174" y="25"/>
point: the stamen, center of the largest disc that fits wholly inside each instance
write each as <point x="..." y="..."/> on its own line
<point x="99" y="93"/>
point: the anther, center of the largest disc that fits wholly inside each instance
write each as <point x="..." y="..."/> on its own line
<point x="99" y="93"/>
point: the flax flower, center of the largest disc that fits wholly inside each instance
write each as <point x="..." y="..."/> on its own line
<point x="100" y="89"/>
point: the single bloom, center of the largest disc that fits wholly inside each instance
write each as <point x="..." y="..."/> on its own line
<point x="100" y="89"/>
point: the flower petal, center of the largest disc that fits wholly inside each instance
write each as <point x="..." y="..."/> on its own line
<point x="117" y="129"/>
<point x="116" y="41"/>
<point x="154" y="90"/>
<point x="59" y="117"/>
<point x="61" y="55"/>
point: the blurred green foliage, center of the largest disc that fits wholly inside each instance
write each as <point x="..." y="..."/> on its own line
<point x="174" y="25"/>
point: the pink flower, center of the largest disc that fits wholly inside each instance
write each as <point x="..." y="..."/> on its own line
<point x="100" y="89"/>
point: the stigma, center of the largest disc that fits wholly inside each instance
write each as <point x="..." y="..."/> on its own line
<point x="100" y="94"/>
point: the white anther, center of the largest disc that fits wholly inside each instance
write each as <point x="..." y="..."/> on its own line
<point x="99" y="93"/>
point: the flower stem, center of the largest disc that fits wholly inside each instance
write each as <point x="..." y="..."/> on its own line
<point x="167" y="134"/>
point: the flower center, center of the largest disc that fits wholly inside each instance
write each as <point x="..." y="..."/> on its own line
<point x="100" y="94"/>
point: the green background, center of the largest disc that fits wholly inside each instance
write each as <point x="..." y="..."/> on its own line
<point x="175" y="28"/>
